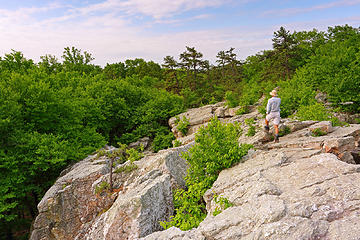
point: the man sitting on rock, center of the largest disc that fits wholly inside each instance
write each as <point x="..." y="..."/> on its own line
<point x="273" y="113"/>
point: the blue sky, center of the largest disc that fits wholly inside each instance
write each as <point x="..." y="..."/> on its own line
<point x="116" y="30"/>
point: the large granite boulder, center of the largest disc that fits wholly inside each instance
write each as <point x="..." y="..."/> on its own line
<point x="73" y="208"/>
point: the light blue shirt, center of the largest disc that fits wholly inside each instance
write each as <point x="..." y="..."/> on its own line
<point x="273" y="105"/>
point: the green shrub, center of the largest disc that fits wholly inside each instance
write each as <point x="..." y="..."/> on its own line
<point x="251" y="124"/>
<point x="191" y="99"/>
<point x="336" y="122"/>
<point x="127" y="168"/>
<point x="315" y="112"/>
<point x="163" y="140"/>
<point x="213" y="100"/>
<point x="101" y="153"/>
<point x="231" y="99"/>
<point x="242" y="110"/>
<point x="216" y="148"/>
<point x="294" y="94"/>
<point x="133" y="155"/>
<point x="183" y="125"/>
<point x="317" y="132"/>
<point x="286" y="130"/>
<point x="177" y="143"/>
<point x="222" y="204"/>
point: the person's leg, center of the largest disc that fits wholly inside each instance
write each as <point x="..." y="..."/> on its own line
<point x="276" y="127"/>
<point x="266" y="124"/>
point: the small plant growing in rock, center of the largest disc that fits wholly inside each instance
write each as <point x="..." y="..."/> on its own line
<point x="103" y="186"/>
<point x="126" y="169"/>
<point x="336" y="122"/>
<point x="242" y="110"/>
<point x="100" y="153"/>
<point x="133" y="155"/>
<point x="284" y="131"/>
<point x="251" y="124"/>
<point x="317" y="132"/>
<point x="222" y="204"/>
<point x="183" y="125"/>
<point x="213" y="100"/>
<point x="177" y="143"/>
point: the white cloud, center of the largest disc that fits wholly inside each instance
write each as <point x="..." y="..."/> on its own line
<point x="164" y="8"/>
<point x="292" y="11"/>
<point x="110" y="37"/>
<point x="155" y="8"/>
<point x="118" y="42"/>
<point x="99" y="29"/>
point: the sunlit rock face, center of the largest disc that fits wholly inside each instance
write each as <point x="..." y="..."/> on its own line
<point x="307" y="186"/>
<point x="73" y="208"/>
<point x="299" y="188"/>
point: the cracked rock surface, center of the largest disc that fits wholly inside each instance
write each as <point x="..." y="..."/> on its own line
<point x="303" y="187"/>
<point x="72" y="208"/>
<point x="300" y="188"/>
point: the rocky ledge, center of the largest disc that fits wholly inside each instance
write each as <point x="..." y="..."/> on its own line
<point x="304" y="187"/>
<point x="75" y="207"/>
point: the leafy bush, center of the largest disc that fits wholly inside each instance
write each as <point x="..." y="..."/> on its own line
<point x="336" y="122"/>
<point x="163" y="141"/>
<point x="133" y="155"/>
<point x="284" y="131"/>
<point x="222" y="204"/>
<point x="317" y="132"/>
<point x="251" y="124"/>
<point x="177" y="143"/>
<point x="127" y="168"/>
<point x="213" y="100"/>
<point x="182" y="125"/>
<point x="190" y="98"/>
<point x="294" y="94"/>
<point x="242" y="110"/>
<point x="216" y="148"/>
<point x="315" y="112"/>
<point x="231" y="99"/>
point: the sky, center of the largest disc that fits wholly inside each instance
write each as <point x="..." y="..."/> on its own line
<point x="116" y="30"/>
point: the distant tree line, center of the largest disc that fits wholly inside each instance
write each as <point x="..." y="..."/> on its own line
<point x="54" y="113"/>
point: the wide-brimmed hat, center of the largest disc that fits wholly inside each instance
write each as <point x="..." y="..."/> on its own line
<point x="273" y="93"/>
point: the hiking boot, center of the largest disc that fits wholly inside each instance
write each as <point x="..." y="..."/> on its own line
<point x="266" y="128"/>
<point x="276" y="140"/>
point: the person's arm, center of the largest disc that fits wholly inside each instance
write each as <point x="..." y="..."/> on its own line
<point x="279" y="104"/>
<point x="268" y="107"/>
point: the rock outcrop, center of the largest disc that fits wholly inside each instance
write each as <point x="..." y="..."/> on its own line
<point x="73" y="209"/>
<point x="303" y="187"/>
<point x="199" y="117"/>
<point x="307" y="186"/>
